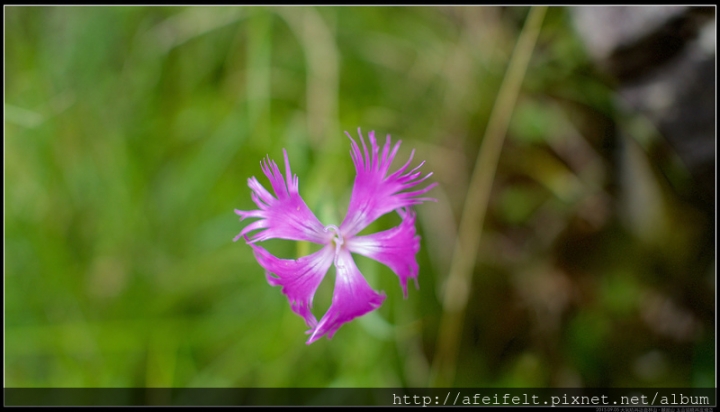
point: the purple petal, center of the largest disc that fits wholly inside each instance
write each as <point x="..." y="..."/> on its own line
<point x="299" y="278"/>
<point x="285" y="216"/>
<point x="375" y="193"/>
<point x="352" y="297"/>
<point x="396" y="248"/>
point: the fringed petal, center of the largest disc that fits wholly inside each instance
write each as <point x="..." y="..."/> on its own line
<point x="396" y="248"/>
<point x="285" y="216"/>
<point x="352" y="297"/>
<point x="299" y="278"/>
<point x="374" y="192"/>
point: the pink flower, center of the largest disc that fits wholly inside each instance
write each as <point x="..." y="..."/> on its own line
<point x="286" y="216"/>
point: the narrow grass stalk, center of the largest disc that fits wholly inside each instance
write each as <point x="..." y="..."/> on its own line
<point x="459" y="279"/>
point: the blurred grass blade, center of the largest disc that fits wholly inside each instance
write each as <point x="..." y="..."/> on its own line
<point x="459" y="280"/>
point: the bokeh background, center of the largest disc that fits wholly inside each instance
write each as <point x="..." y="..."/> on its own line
<point x="130" y="133"/>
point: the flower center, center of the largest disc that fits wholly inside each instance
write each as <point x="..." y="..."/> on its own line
<point x="336" y="237"/>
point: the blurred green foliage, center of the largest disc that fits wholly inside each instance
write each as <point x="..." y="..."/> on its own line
<point x="130" y="133"/>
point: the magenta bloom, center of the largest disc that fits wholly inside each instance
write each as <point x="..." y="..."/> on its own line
<point x="374" y="194"/>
